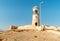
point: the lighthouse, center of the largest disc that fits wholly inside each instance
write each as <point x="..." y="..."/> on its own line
<point x="35" y="16"/>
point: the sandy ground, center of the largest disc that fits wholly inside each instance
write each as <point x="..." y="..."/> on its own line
<point x="29" y="35"/>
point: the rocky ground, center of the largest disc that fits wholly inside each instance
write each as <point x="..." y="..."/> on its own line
<point x="28" y="35"/>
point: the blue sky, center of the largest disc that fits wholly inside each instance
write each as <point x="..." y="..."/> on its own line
<point x="19" y="12"/>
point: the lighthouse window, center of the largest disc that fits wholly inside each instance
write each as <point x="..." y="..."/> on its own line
<point x="36" y="11"/>
<point x="35" y="16"/>
<point x="36" y="24"/>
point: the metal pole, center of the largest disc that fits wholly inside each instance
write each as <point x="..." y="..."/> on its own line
<point x="41" y="3"/>
<point x="40" y="13"/>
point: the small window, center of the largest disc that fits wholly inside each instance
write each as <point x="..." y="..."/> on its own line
<point x="35" y="16"/>
<point x="36" y="11"/>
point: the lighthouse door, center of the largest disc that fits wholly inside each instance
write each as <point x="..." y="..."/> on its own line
<point x="36" y="24"/>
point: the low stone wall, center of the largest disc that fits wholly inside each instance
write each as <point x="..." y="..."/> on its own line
<point x="39" y="28"/>
<point x="13" y="27"/>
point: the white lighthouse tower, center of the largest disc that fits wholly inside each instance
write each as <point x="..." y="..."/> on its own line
<point x="35" y="17"/>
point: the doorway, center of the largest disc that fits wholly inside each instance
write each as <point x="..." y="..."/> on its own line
<point x="36" y="24"/>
